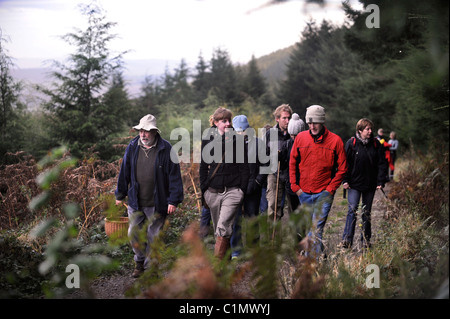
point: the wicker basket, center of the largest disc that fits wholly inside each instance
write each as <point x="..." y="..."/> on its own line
<point x="117" y="228"/>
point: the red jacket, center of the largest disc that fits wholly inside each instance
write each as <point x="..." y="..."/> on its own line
<point x="319" y="165"/>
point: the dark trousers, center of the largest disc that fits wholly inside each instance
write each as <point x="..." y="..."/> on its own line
<point x="205" y="222"/>
<point x="354" y="197"/>
<point x="248" y="209"/>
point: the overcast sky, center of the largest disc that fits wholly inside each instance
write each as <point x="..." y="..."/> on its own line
<point x="161" y="29"/>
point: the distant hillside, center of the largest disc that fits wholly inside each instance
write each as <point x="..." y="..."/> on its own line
<point x="273" y="65"/>
<point x="134" y="73"/>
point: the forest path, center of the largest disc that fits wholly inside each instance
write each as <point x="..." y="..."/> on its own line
<point x="116" y="286"/>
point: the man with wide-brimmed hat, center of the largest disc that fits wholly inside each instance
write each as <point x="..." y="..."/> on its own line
<point x="153" y="184"/>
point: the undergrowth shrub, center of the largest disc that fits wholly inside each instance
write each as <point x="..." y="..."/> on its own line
<point x="17" y="188"/>
<point x="411" y="245"/>
<point x="423" y="186"/>
<point x="81" y="183"/>
<point x="19" y="275"/>
<point x="413" y="260"/>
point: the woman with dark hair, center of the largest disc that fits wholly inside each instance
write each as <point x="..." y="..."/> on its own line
<point x="366" y="166"/>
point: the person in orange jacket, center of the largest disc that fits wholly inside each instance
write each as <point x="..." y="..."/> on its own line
<point x="386" y="146"/>
<point x="317" y="167"/>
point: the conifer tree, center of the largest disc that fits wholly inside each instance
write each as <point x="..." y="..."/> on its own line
<point x="77" y="103"/>
<point x="201" y="83"/>
<point x="9" y="92"/>
<point x="409" y="57"/>
<point x="254" y="83"/>
<point x="177" y="87"/>
<point x="223" y="77"/>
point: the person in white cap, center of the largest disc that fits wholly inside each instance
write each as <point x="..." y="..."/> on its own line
<point x="295" y="126"/>
<point x="317" y="167"/>
<point x="153" y="184"/>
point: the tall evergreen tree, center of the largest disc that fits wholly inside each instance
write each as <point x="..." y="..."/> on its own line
<point x="152" y="96"/>
<point x="295" y="89"/>
<point x="409" y="53"/>
<point x="322" y="70"/>
<point x="223" y="77"/>
<point x="10" y="127"/>
<point x="254" y="84"/>
<point x="201" y="80"/>
<point x="76" y="101"/>
<point x="179" y="91"/>
<point x="401" y="27"/>
<point x="114" y="101"/>
<point x="315" y="69"/>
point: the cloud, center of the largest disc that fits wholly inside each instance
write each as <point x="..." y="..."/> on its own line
<point x="164" y="29"/>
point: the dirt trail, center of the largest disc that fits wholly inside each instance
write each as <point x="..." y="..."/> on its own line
<point x="115" y="287"/>
<point x="338" y="214"/>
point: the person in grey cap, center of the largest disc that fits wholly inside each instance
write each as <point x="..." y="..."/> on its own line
<point x="153" y="184"/>
<point x="317" y="167"/>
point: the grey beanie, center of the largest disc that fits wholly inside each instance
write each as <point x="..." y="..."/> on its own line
<point x="315" y="114"/>
<point x="296" y="125"/>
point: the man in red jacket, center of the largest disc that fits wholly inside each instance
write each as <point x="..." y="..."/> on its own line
<point x="316" y="169"/>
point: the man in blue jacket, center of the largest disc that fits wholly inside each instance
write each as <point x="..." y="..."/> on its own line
<point x="153" y="184"/>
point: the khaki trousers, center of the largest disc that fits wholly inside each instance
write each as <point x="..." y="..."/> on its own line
<point x="223" y="208"/>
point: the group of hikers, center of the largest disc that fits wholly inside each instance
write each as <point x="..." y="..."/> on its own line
<point x="238" y="179"/>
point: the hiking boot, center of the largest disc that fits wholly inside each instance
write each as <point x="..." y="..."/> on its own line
<point x="138" y="270"/>
<point x="221" y="247"/>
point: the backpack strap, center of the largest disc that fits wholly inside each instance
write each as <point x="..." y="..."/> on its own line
<point x="353" y="143"/>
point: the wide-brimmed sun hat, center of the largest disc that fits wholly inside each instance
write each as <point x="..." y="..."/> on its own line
<point x="147" y="123"/>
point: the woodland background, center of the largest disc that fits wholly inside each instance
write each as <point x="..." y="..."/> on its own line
<point x="396" y="75"/>
<point x="68" y="149"/>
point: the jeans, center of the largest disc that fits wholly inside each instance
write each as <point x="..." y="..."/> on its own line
<point x="205" y="222"/>
<point x="319" y="205"/>
<point x="263" y="203"/>
<point x="251" y="209"/>
<point x="138" y="219"/>
<point x="353" y="201"/>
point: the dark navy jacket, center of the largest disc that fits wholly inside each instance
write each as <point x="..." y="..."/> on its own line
<point x="366" y="164"/>
<point x="169" y="185"/>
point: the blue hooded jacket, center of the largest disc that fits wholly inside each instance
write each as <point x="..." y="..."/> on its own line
<point x="169" y="185"/>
